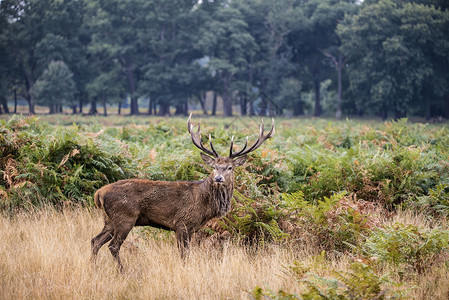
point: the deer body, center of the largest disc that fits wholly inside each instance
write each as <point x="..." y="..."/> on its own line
<point x="181" y="206"/>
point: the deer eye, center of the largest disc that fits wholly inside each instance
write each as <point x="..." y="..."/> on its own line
<point x="229" y="168"/>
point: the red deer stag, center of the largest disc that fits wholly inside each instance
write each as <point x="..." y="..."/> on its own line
<point x="181" y="206"/>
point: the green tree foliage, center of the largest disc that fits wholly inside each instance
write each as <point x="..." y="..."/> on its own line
<point x="55" y="87"/>
<point x="398" y="56"/>
<point x="119" y="32"/>
<point x="172" y="63"/>
<point x="315" y="35"/>
<point x="384" y="57"/>
<point x="227" y="42"/>
<point x="270" y="64"/>
<point x="39" y="31"/>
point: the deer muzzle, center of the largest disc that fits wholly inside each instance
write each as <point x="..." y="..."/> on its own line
<point x="219" y="179"/>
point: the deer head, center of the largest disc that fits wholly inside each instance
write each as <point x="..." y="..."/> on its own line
<point x="224" y="166"/>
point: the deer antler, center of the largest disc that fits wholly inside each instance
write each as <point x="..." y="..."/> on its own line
<point x="196" y="139"/>
<point x="256" y="145"/>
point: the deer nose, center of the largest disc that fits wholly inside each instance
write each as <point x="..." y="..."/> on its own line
<point x="219" y="178"/>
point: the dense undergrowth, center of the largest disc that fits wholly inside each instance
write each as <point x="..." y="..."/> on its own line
<point x="330" y="185"/>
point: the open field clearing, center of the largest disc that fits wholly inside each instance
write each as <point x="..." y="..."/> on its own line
<point x="323" y="210"/>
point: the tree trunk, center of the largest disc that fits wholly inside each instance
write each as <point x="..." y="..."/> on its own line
<point x="383" y="112"/>
<point x="134" y="106"/>
<point x="150" y="107"/>
<point x="52" y="108"/>
<point x="5" y="104"/>
<point x="339" y="66"/>
<point x="121" y="103"/>
<point x="252" y="111"/>
<point x="93" y="107"/>
<point x="214" y="104"/>
<point x="29" y="81"/>
<point x="298" y="109"/>
<point x="105" y="113"/>
<point x="181" y="108"/>
<point x="227" y="105"/>
<point x="74" y="109"/>
<point x="30" y="101"/>
<point x="164" y="109"/>
<point x="81" y="103"/>
<point x="129" y="72"/>
<point x="15" y="101"/>
<point x="243" y="104"/>
<point x="446" y="108"/>
<point x="202" y="99"/>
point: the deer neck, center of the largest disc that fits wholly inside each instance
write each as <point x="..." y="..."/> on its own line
<point x="219" y="196"/>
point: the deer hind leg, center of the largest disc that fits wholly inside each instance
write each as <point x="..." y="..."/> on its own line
<point x="119" y="237"/>
<point x="183" y="239"/>
<point x="102" y="238"/>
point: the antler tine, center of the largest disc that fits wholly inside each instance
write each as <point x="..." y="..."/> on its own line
<point x="196" y="139"/>
<point x="212" y="147"/>
<point x="261" y="129"/>
<point x="232" y="145"/>
<point x="189" y="126"/>
<point x="259" y="141"/>
<point x="239" y="152"/>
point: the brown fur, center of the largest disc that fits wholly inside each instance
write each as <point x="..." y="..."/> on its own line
<point x="181" y="206"/>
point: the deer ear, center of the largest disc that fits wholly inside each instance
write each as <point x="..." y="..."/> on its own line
<point x="207" y="159"/>
<point x="239" y="161"/>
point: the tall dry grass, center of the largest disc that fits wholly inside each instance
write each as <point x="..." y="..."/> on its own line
<point x="46" y="255"/>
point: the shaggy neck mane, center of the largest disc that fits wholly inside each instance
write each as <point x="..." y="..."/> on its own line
<point x="220" y="196"/>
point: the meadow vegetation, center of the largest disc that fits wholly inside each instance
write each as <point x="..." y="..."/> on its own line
<point x="324" y="210"/>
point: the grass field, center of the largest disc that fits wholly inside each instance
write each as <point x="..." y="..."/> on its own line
<point x="46" y="255"/>
<point x="326" y="210"/>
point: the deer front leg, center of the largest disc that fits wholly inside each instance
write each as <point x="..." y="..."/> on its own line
<point x="183" y="239"/>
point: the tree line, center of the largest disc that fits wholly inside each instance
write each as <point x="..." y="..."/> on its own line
<point x="388" y="58"/>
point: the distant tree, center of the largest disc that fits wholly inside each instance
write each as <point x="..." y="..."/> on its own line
<point x="289" y="95"/>
<point x="269" y="23"/>
<point x="228" y="44"/>
<point x="397" y="56"/>
<point x="314" y="42"/>
<point x="55" y="87"/>
<point x="121" y="30"/>
<point x="170" y="68"/>
<point x="40" y="31"/>
<point x="6" y="64"/>
<point x="108" y="87"/>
